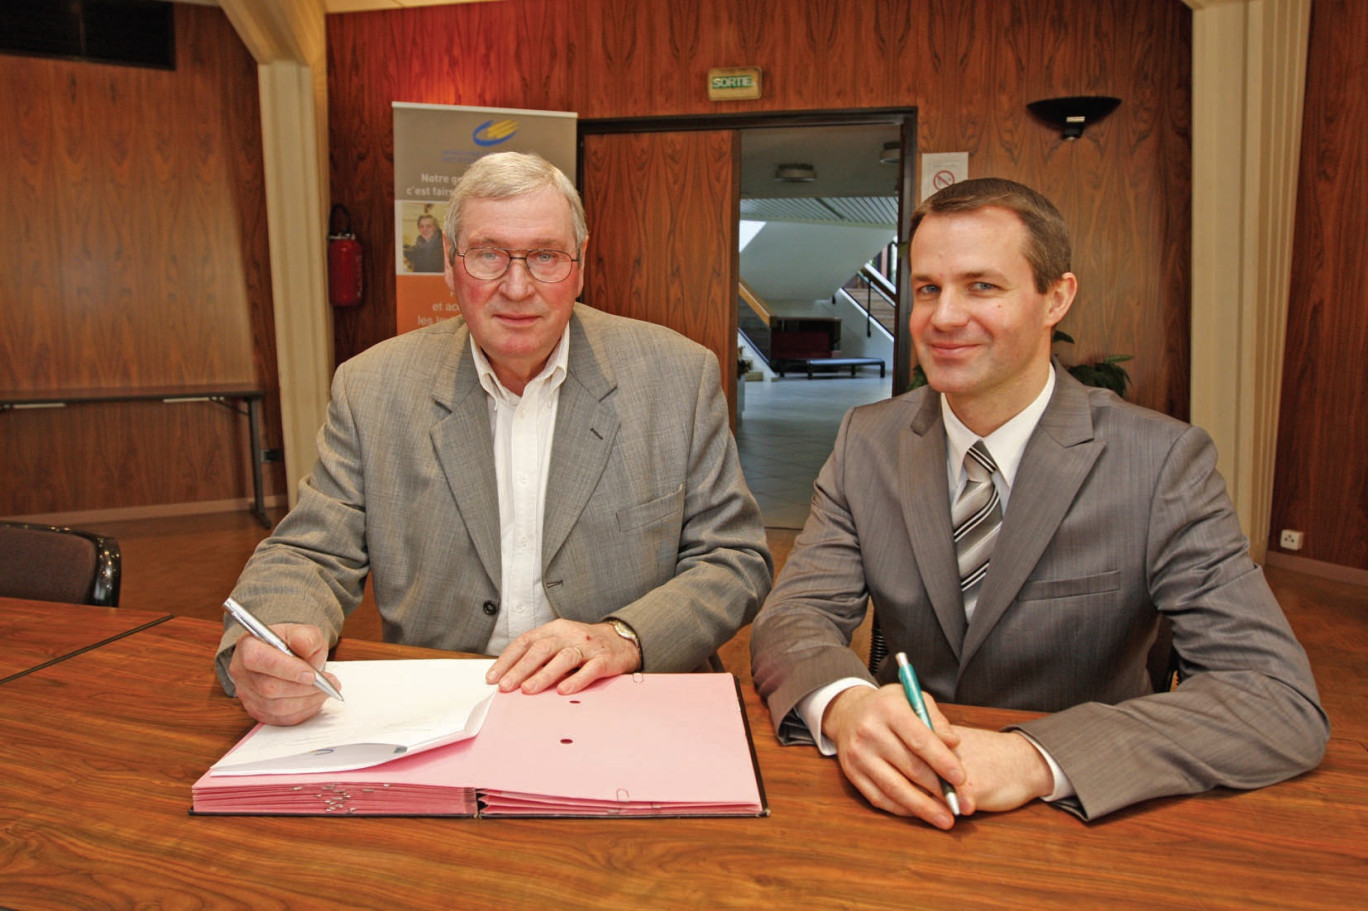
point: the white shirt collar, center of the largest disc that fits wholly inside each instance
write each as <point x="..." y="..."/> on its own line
<point x="551" y="375"/>
<point x="1007" y="444"/>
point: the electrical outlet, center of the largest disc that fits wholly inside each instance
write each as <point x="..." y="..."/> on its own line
<point x="1290" y="540"/>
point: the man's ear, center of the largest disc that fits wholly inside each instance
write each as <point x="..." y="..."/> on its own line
<point x="448" y="268"/>
<point x="1059" y="298"/>
<point x="583" y="247"/>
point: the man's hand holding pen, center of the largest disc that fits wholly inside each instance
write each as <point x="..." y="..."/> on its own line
<point x="275" y="687"/>
<point x="894" y="759"/>
<point x="898" y="763"/>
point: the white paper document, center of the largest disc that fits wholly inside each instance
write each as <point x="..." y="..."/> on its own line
<point x="392" y="708"/>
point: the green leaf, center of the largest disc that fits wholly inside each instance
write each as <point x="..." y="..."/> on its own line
<point x="1104" y="374"/>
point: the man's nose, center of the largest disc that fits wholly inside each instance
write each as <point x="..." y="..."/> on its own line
<point x="949" y="309"/>
<point x="517" y="281"/>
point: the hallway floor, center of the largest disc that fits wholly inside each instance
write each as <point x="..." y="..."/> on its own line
<point x="785" y="433"/>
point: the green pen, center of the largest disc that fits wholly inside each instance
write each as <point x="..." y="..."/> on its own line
<point x="908" y="677"/>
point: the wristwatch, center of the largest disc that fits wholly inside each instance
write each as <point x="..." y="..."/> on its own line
<point x="626" y="632"/>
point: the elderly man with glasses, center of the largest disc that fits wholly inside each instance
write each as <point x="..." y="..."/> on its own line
<point x="536" y="480"/>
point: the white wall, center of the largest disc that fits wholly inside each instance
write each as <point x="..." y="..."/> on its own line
<point x="801" y="261"/>
<point x="796" y="267"/>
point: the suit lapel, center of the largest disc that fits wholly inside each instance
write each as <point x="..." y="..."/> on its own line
<point x="926" y="513"/>
<point x="464" y="447"/>
<point x="586" y="427"/>
<point x="1058" y="458"/>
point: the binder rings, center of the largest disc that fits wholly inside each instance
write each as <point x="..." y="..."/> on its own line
<point x="640" y="745"/>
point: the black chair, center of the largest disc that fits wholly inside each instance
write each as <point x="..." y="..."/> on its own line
<point x="51" y="563"/>
<point x="1162" y="662"/>
<point x="878" y="648"/>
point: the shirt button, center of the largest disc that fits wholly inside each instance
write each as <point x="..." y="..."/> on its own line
<point x="490" y="608"/>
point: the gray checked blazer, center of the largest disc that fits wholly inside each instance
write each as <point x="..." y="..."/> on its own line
<point x="647" y="515"/>
<point x="1117" y="514"/>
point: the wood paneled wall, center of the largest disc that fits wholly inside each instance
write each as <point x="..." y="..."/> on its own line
<point x="670" y="196"/>
<point x="969" y="66"/>
<point x="132" y="254"/>
<point x="1320" y="482"/>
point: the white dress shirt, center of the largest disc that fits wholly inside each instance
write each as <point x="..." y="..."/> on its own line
<point x="1007" y="444"/>
<point x="523" y="427"/>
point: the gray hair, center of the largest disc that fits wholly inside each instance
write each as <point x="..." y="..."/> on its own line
<point x="506" y="174"/>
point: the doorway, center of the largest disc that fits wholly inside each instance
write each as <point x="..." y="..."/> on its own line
<point x="667" y="198"/>
<point x="818" y="311"/>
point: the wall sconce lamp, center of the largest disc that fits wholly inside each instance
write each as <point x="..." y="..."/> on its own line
<point x="1072" y="114"/>
<point x="795" y="173"/>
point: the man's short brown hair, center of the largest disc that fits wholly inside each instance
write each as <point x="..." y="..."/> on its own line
<point x="1047" y="246"/>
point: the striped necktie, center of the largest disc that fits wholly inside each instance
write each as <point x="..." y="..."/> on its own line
<point x="977" y="518"/>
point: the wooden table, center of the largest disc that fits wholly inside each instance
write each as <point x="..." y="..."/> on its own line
<point x="34" y="634"/>
<point x="99" y="751"/>
<point x="221" y="394"/>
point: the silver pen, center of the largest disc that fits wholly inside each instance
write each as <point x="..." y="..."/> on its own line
<point x="265" y="634"/>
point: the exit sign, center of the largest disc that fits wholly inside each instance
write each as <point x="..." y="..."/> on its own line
<point x="734" y="83"/>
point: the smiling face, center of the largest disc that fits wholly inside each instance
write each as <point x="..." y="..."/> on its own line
<point x="427" y="226"/>
<point x="515" y="319"/>
<point x="981" y="329"/>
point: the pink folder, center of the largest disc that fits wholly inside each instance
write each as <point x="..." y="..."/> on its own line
<point x="642" y="745"/>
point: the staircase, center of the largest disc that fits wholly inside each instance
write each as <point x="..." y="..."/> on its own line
<point x="873" y="293"/>
<point x="753" y="320"/>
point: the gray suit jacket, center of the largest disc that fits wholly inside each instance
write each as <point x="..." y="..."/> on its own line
<point x="647" y="515"/>
<point x="1117" y="514"/>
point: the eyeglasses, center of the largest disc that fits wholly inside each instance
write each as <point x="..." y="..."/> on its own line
<point x="487" y="263"/>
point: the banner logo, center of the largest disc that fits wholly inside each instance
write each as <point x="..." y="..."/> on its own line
<point x="491" y="133"/>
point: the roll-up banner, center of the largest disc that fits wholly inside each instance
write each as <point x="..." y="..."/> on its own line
<point x="433" y="145"/>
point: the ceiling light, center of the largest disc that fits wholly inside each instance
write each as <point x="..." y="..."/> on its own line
<point x="795" y="173"/>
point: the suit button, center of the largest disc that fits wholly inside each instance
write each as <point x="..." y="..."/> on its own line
<point x="490" y="608"/>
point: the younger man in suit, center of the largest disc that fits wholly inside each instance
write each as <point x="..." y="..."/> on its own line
<point x="1094" y="517"/>
<point x="536" y="480"/>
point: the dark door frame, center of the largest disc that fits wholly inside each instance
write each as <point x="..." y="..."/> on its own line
<point x="905" y="118"/>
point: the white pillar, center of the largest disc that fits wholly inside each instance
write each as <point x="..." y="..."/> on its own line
<point x="1248" y="83"/>
<point x="286" y="38"/>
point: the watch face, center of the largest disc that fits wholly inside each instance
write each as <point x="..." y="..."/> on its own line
<point x="626" y="632"/>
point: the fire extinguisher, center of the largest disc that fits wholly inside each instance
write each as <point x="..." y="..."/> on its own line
<point x="344" y="261"/>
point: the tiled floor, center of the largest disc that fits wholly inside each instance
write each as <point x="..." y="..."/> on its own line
<point x="785" y="432"/>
